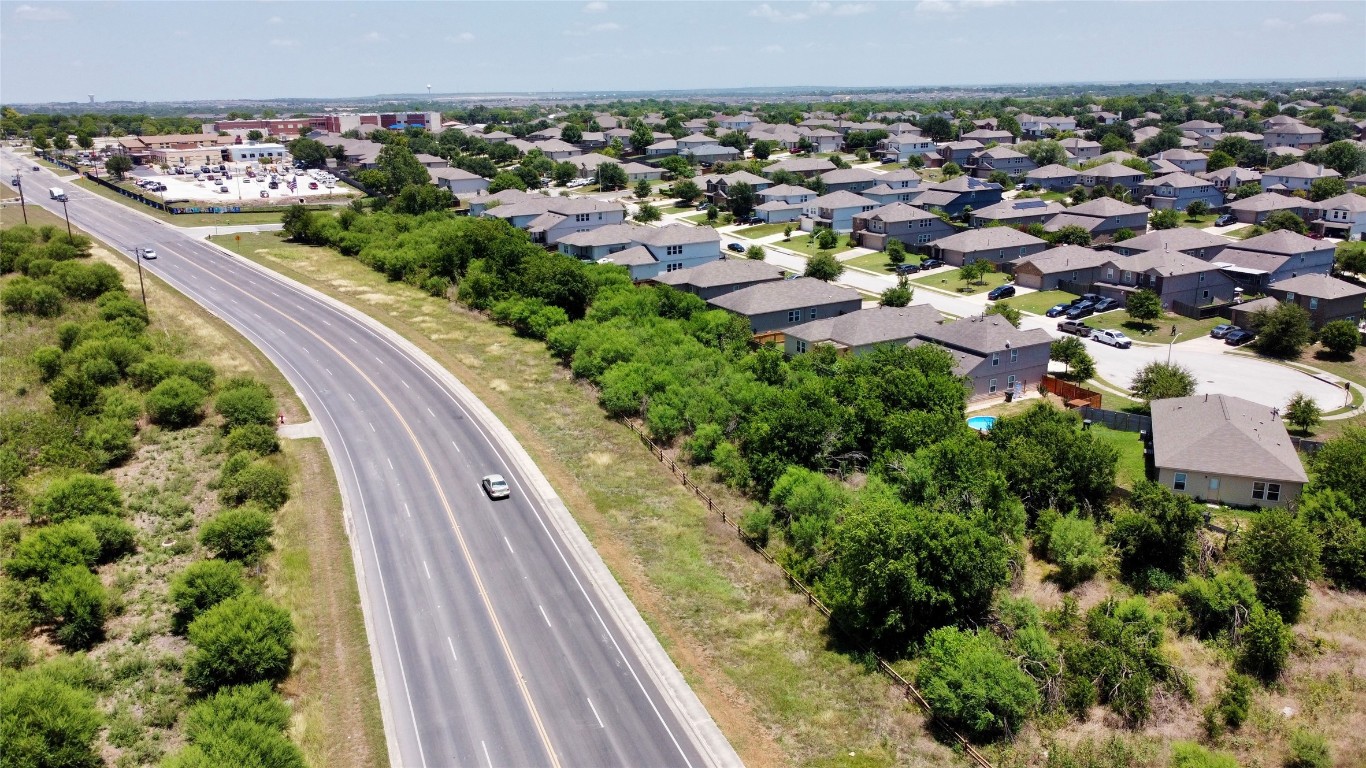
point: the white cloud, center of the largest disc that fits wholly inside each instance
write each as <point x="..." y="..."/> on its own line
<point x="582" y="31"/>
<point x="284" y="42"/>
<point x="275" y="20"/>
<point x="798" y="13"/>
<point x="935" y="8"/>
<point x="373" y="37"/>
<point x="595" y="7"/>
<point x="852" y="9"/>
<point x="463" y="37"/>
<point x="772" y="49"/>
<point x="45" y="13"/>
<point x="1326" y="19"/>
<point x="766" y="11"/>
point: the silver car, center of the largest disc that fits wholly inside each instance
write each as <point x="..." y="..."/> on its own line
<point x="495" y="486"/>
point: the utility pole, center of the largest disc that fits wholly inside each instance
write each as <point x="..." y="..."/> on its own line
<point x="67" y="214"/>
<point x="137" y="256"/>
<point x="22" y="206"/>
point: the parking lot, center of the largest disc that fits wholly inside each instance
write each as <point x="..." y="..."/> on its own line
<point x="242" y="184"/>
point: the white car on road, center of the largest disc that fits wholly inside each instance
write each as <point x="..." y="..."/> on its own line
<point x="1113" y="338"/>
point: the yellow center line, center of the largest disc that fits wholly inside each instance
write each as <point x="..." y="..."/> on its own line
<point x="450" y="516"/>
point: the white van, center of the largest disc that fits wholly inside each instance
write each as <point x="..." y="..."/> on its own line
<point x="56" y="193"/>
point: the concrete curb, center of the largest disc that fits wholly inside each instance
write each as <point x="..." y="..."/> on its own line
<point x="702" y="730"/>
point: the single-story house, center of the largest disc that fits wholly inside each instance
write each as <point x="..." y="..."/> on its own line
<point x="1053" y="177"/>
<point x="1187" y="240"/>
<point x="802" y="166"/>
<point x="1016" y="212"/>
<point x="1185" y="160"/>
<point x="860" y="331"/>
<point x="992" y="354"/>
<point x="998" y="245"/>
<point x="849" y="180"/>
<point x="916" y="228"/>
<point x="1325" y="298"/>
<point x="717" y="278"/>
<point x="1224" y="449"/>
<point x="1043" y="271"/>
<point x="1102" y="216"/>
<point x="1231" y="177"/>
<point x="459" y="182"/>
<point x="645" y="251"/>
<point x="775" y="306"/>
<point x="1110" y="174"/>
<point x="1255" y="209"/>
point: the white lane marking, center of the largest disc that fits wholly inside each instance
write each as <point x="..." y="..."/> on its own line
<point x="325" y="322"/>
<point x="451" y="643"/>
<point x="595" y="712"/>
<point x="353" y="339"/>
<point x="429" y="410"/>
<point x="457" y="447"/>
<point x="486" y="753"/>
<point x="391" y="462"/>
<point x="372" y="426"/>
<point x="406" y="509"/>
<point x="258" y="317"/>
<point x="234" y="301"/>
<point x="381" y="362"/>
<point x="353" y="399"/>
<point x="547" y="618"/>
<point x="425" y="568"/>
<point x="329" y="370"/>
<point x="505" y="541"/>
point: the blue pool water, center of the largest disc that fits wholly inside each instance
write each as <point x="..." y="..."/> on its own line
<point x="982" y="423"/>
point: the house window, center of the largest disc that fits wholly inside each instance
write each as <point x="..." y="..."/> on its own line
<point x="1202" y="277"/>
<point x="995" y="359"/>
<point x="673" y="266"/>
<point x="1290" y="296"/>
<point x="1128" y="276"/>
<point x="813" y="313"/>
<point x="1204" y="294"/>
<point x="1109" y="273"/>
<point x="1179" y="481"/>
<point x="1313" y="303"/>
<point x="991" y="385"/>
<point x="801" y="346"/>
<point x="926" y="222"/>
<point x="1213" y="485"/>
<point x="1014" y="355"/>
<point x="1266" y="491"/>
<point x="922" y="238"/>
<point x="673" y="250"/>
<point x="1010" y="381"/>
<point x="794" y="315"/>
<point x="582" y="217"/>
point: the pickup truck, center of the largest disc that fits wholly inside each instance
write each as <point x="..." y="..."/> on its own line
<point x="1075" y="326"/>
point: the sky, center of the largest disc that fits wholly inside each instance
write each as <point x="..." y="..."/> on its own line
<point x="202" y="49"/>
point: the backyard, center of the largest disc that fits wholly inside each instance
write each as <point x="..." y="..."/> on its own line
<point x="952" y="280"/>
<point x="1131" y="466"/>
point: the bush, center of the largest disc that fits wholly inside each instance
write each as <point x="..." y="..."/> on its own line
<point x="245" y="402"/>
<point x="74" y="599"/>
<point x="1283" y="331"/>
<point x="1187" y="755"/>
<point x="48" y="549"/>
<point x="1265" y="645"/>
<point x="256" y="704"/>
<point x="756" y="524"/>
<point x="47" y="722"/>
<point x="238" y="534"/>
<point x="201" y="586"/>
<point x="1339" y="337"/>
<point x="242" y="744"/>
<point x="255" y="438"/>
<point x="1076" y="548"/>
<point x="1281" y="555"/>
<point x="49" y="362"/>
<point x="259" y="482"/>
<point x="1158" y="531"/>
<point x="242" y="640"/>
<point x="1235" y="699"/>
<point x="76" y="495"/>
<point x="969" y="682"/>
<point x="1308" y="750"/>
<point x="1218" y="605"/>
<point x="176" y="402"/>
<point x="116" y="537"/>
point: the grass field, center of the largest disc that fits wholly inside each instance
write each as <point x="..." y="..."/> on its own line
<point x="1159" y="332"/>
<point x="808" y="249"/>
<point x="874" y="262"/>
<point x="1040" y="302"/>
<point x="1131" y="466"/>
<point x="952" y="281"/>
<point x="184" y="219"/>
<point x="764" y="230"/>
<point x="1199" y="222"/>
<point x="760" y="659"/>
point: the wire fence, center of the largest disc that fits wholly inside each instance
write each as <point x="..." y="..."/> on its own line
<point x="908" y="689"/>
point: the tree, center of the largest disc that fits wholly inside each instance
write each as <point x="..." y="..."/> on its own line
<point x="826" y="239"/>
<point x="1045" y="152"/>
<point x="742" y="199"/>
<point x="201" y="586"/>
<point x="255" y="135"/>
<point x="1351" y="259"/>
<point x="238" y="534"/>
<point x="1158" y="531"/>
<point x="1077" y="548"/>
<point x="974" y="271"/>
<point x="1112" y="142"/>
<point x="686" y="190"/>
<point x="307" y="153"/>
<point x="47" y="722"/>
<point x="712" y="213"/>
<point x="76" y="495"/>
<point x="506" y="180"/>
<point x="564" y="173"/>
<point x="1345" y="157"/>
<point x="1265" y="644"/>
<point x="824" y="266"/>
<point x="1244" y="191"/>
<point x="1340" y="338"/>
<point x="245" y="401"/>
<point x="1283" y="331"/>
<point x="951" y="170"/>
<point x="400" y="168"/>
<point x="762" y="149"/>
<point x="1197" y="209"/>
<point x="1303" y="412"/>
<point x="1070" y="234"/>
<point x="641" y="138"/>
<point x="1331" y="186"/>
<point x="1159" y="381"/>
<point x="571" y="133"/>
<point x="1281" y="555"/>
<point x="1070" y="351"/>
<point x="84" y="140"/>
<point x="680" y="167"/>
<point x="176" y="402"/>
<point x="242" y="640"/>
<point x="642" y="189"/>
<point x="1167" y="218"/>
<point x="647" y="213"/>
<point x="899" y="295"/>
<point x="896" y="252"/>
<point x="1219" y="161"/>
<point x="755" y="252"/>
<point x="612" y="176"/>
<point x="1285" y="220"/>
<point x="416" y="200"/>
<point x="1145" y="306"/>
<point x="970" y="682"/>
<point x="1011" y="314"/>
<point x="118" y="165"/>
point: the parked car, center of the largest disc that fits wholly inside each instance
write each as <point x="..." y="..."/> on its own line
<point x="703" y="206"/>
<point x="1076" y="327"/>
<point x="1225" y="220"/>
<point x="1057" y="309"/>
<point x="1223" y="330"/>
<point x="222" y="188"/>
<point x="495" y="486"/>
<point x="1001" y="292"/>
<point x="931" y="263"/>
<point x="1113" y="338"/>
<point x="37" y="168"/>
<point x="1106" y="304"/>
<point x="265" y="193"/>
<point x="1084" y="309"/>
<point x="735" y="247"/>
<point x="312" y="185"/>
<point x="1239" y="338"/>
<point x="907" y="269"/>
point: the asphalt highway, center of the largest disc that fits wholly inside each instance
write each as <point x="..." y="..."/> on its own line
<point x="499" y="637"/>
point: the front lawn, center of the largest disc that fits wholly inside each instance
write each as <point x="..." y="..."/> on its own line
<point x="890" y="167"/>
<point x="1051" y="196"/>
<point x="1199" y="222"/>
<point x="699" y="218"/>
<point x="677" y="209"/>
<point x="807" y="248"/>
<point x="1159" y="331"/>
<point x="873" y="262"/>
<point x="764" y="230"/>
<point x="1040" y="302"/>
<point x="953" y="281"/>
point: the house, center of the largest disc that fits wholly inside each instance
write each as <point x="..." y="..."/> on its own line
<point x="693" y="141"/>
<point x="1325" y="298"/>
<point x="1224" y="449"/>
<point x="1255" y="209"/>
<point x="642" y="172"/>
<point x="645" y="251"/>
<point x="1178" y="190"/>
<point x="1203" y="127"/>
<point x="1187" y="240"/>
<point x="1343" y="216"/>
<point x="1173" y="276"/>
<point x="1017" y="212"/>
<point x="998" y="245"/>
<point x="1036" y="127"/>
<point x="717" y="278"/>
<point x="547" y="218"/>
<point x="993" y="355"/>
<point x="1290" y="134"/>
<point x="1045" y="270"/>
<point x="1110" y="174"/>
<point x="1183" y="159"/>
<point x="587" y="164"/>
<point x="662" y="148"/>
<point x="860" y="331"/>
<point x="1255" y="139"/>
<point x="989" y="135"/>
<point x="849" y="179"/>
<point x="916" y="228"/>
<point x="834" y="210"/>
<point x="1278" y="152"/>
<point x="557" y="150"/>
<point x="781" y="304"/>
<point x="711" y="154"/>
<point x="824" y="140"/>
<point x="459" y="182"/>
<point x="899" y="148"/>
<point x="1081" y="150"/>
<point x="1102" y="216"/>
<point x="958" y="152"/>
<point x="1259" y="261"/>
<point x="1004" y="159"/>
<point x="1053" y="177"/>
<point x="958" y="193"/>
<point x="1232" y="177"/>
<point x="782" y="203"/>
<point x="741" y="122"/>
<point x="1296" y="176"/>
<point x="802" y="166"/>
<point x="716" y="187"/>
<point x="1357" y="181"/>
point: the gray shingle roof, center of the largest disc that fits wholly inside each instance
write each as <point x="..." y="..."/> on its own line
<point x="715" y="274"/>
<point x="1320" y="287"/>
<point x="1053" y="171"/>
<point x="1223" y="435"/>
<point x="1064" y="258"/>
<point x="797" y="293"/>
<point x="984" y="334"/>
<point x="895" y="212"/>
<point x="875" y="325"/>
<point x="1283" y="242"/>
<point x="1175" y="239"/>
<point x="987" y="238"/>
<point x="1103" y="207"/>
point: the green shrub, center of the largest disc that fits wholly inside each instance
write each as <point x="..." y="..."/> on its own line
<point x="243" y="744"/>
<point x="46" y="722"/>
<point x="238" y="534"/>
<point x="703" y="442"/>
<point x="1281" y="554"/>
<point x="176" y="402"/>
<point x="756" y="523"/>
<point x="1187" y="755"/>
<point x="259" y="482"/>
<point x="84" y="281"/>
<point x="74" y="391"/>
<point x="112" y="439"/>
<point x="245" y="402"/>
<point x="1235" y="699"/>
<point x="242" y="640"/>
<point x="152" y="370"/>
<point x="1077" y="549"/>
<point x="74" y="599"/>
<point x="49" y="362"/>
<point x="240" y="703"/>
<point x="48" y="549"/>
<point x="76" y="495"/>
<point x="256" y="438"/>
<point x="117" y="305"/>
<point x="970" y="683"/>
<point x="1218" y="605"/>
<point x="1265" y="644"/>
<point x="116" y="537"/>
<point x="235" y="463"/>
<point x="201" y="586"/>
<point x="1308" y="750"/>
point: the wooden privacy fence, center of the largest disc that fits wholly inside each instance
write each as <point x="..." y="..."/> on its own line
<point x="905" y="685"/>
<point x="1071" y="393"/>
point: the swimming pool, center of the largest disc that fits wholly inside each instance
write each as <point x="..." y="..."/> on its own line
<point x="982" y="423"/>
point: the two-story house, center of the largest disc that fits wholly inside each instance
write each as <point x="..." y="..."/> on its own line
<point x="645" y="251"/>
<point x="859" y="332"/>
<point x="824" y="140"/>
<point x="1325" y="298"/>
<point x="899" y="148"/>
<point x="459" y="182"/>
<point x="1187" y="240"/>
<point x="1257" y="262"/>
<point x="546" y="219"/>
<point x="1204" y="128"/>
<point x="1173" y="276"/>
<point x="998" y="245"/>
<point x="1290" y="134"/>
<point x="1183" y="159"/>
<point x="959" y="152"/>
<point x="802" y="166"/>
<point x="1005" y="159"/>
<point x="1178" y="190"/>
<point x="989" y="135"/>
<point x="849" y="179"/>
<point x="1046" y="270"/>
<point x="993" y="355"/>
<point x="1232" y="177"/>
<point x="1053" y="177"/>
<point x="1102" y="217"/>
<point x="954" y="195"/>
<point x="717" y="278"/>
<point x="835" y="210"/>
<point x="1296" y="176"/>
<point x="774" y="306"/>
<point x="1110" y="174"/>
<point x="916" y="228"/>
<point x="783" y="203"/>
<point x="1255" y="209"/>
<point x="1081" y="150"/>
<point x="1016" y="212"/>
<point x="716" y="187"/>
<point x="1343" y="216"/>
